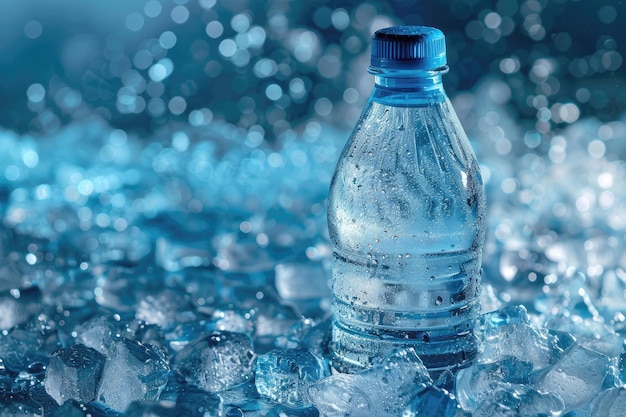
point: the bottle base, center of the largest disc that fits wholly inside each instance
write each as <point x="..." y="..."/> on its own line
<point x="353" y="351"/>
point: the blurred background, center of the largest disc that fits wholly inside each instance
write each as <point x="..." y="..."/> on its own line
<point x="271" y="66"/>
<point x="184" y="134"/>
<point x="165" y="164"/>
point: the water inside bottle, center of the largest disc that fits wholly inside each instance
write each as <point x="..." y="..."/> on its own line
<point x="406" y="216"/>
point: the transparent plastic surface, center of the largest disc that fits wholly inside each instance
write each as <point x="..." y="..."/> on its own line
<point x="407" y="224"/>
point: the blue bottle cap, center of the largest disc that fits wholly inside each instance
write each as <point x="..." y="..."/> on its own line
<point x="408" y="48"/>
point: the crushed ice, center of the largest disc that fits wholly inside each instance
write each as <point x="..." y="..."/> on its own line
<point x="182" y="270"/>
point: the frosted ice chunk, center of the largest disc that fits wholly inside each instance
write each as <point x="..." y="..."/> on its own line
<point x="478" y="382"/>
<point x="432" y="402"/>
<point x="576" y="378"/>
<point x="133" y="371"/>
<point x="538" y="402"/>
<point x="508" y="333"/>
<point x="217" y="362"/>
<point x="284" y="375"/>
<point x="383" y="390"/>
<point x="589" y="332"/>
<point x="244" y="397"/>
<point x="166" y="308"/>
<point x="99" y="333"/>
<point x="510" y="315"/>
<point x="500" y="403"/>
<point x="307" y="333"/>
<point x="74" y="373"/>
<point x="342" y="395"/>
<point x="233" y="321"/>
<point x="610" y="403"/>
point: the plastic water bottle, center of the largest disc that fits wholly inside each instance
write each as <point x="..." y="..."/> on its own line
<point x="406" y="215"/>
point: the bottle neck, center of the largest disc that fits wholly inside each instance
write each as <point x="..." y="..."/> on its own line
<point x="408" y="88"/>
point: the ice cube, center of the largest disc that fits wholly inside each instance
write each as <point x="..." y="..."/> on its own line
<point x="158" y="409"/>
<point x="309" y="334"/>
<point x="610" y="403"/>
<point x="133" y="371"/>
<point x="576" y="378"/>
<point x="343" y="395"/>
<point x="500" y="403"/>
<point x="589" y="332"/>
<point x="541" y="403"/>
<point x="246" y="398"/>
<point x="510" y="315"/>
<point x="383" y="390"/>
<point x="99" y="333"/>
<point x="284" y="375"/>
<point x="166" y="308"/>
<point x="217" y="362"/>
<point x="74" y="373"/>
<point x="509" y="333"/>
<point x="478" y="382"/>
<point x="432" y="402"/>
<point x="238" y="321"/>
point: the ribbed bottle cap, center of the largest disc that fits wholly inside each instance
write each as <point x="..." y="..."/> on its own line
<point x="408" y="47"/>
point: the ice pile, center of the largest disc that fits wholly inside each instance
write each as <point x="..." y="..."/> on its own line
<point x="188" y="275"/>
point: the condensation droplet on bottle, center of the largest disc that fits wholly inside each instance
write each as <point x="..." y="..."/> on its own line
<point x="439" y="300"/>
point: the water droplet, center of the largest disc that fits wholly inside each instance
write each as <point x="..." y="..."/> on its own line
<point x="439" y="300"/>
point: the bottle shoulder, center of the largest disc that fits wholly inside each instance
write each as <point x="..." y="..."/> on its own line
<point x="407" y="176"/>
